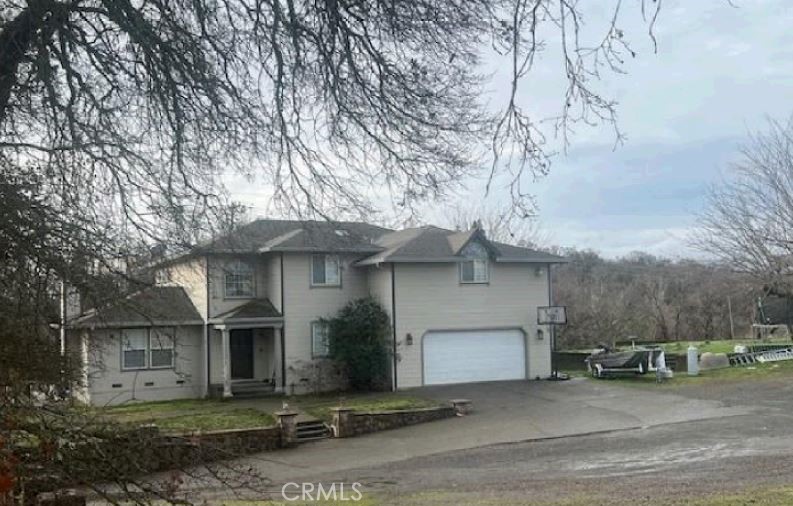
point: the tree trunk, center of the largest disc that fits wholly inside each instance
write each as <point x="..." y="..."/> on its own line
<point x="15" y="40"/>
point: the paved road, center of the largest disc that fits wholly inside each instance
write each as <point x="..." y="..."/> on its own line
<point x="530" y="437"/>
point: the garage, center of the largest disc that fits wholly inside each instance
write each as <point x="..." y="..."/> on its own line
<point x="467" y="356"/>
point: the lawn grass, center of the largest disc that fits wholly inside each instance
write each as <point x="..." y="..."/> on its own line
<point x="190" y="415"/>
<point x="771" y="370"/>
<point x="782" y="496"/>
<point x="320" y="406"/>
<point x="710" y="346"/>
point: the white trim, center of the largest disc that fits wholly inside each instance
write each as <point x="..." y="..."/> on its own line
<point x="124" y="349"/>
<point x="475" y="281"/>
<point x="172" y="349"/>
<point x="325" y="257"/>
<point x="228" y="271"/>
<point x="316" y="324"/>
<point x="248" y="323"/>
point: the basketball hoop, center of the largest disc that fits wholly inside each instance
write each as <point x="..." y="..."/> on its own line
<point x="552" y="315"/>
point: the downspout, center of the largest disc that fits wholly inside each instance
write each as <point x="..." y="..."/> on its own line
<point x="207" y="333"/>
<point x="283" y="328"/>
<point x="393" y="325"/>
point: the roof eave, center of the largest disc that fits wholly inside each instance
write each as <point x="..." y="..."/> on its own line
<point x="318" y="249"/>
<point x="133" y="323"/>
<point x="511" y="260"/>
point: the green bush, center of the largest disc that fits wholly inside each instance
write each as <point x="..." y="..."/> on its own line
<point x="359" y="337"/>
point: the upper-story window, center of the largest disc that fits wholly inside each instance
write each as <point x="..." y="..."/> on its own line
<point x="238" y="279"/>
<point x="475" y="268"/>
<point x="325" y="270"/>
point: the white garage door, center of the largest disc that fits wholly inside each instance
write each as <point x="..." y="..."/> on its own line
<point x="463" y="356"/>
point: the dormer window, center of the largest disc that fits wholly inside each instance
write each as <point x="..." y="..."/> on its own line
<point x="475" y="268"/>
<point x="238" y="280"/>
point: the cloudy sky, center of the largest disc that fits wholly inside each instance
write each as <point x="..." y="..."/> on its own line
<point x="719" y="73"/>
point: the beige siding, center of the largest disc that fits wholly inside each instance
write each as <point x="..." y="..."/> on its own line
<point x="304" y="304"/>
<point x="380" y="290"/>
<point x="218" y="303"/>
<point x="105" y="370"/>
<point x="191" y="275"/>
<point x="380" y="285"/>
<point x="272" y="265"/>
<point x="430" y="297"/>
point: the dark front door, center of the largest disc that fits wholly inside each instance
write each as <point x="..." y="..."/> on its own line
<point x="242" y="354"/>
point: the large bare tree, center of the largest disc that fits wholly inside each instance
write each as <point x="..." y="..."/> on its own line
<point x="748" y="221"/>
<point x="118" y="119"/>
<point x="323" y="101"/>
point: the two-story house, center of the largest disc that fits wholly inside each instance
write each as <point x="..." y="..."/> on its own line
<point x="242" y="314"/>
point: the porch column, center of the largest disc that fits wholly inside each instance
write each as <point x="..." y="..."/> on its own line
<point x="279" y="381"/>
<point x="226" y="351"/>
<point x="82" y="392"/>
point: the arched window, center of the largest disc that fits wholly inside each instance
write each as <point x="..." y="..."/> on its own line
<point x="238" y="279"/>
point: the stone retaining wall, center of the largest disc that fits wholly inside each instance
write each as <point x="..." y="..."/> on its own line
<point x="147" y="450"/>
<point x="223" y="444"/>
<point x="348" y="423"/>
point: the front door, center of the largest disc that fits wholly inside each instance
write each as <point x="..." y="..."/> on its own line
<point x="242" y="354"/>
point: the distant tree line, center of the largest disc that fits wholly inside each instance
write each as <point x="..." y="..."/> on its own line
<point x="647" y="298"/>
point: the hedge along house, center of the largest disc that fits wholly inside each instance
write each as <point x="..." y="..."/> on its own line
<point x="242" y="314"/>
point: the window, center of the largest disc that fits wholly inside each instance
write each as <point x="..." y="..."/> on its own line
<point x="325" y="270"/>
<point x="147" y="348"/>
<point x="161" y="347"/>
<point x="239" y="280"/>
<point x="475" y="268"/>
<point x="133" y="348"/>
<point x="320" y="345"/>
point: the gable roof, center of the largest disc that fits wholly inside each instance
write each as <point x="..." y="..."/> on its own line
<point x="155" y="305"/>
<point x="253" y="309"/>
<point x="419" y="244"/>
<point x="434" y="244"/>
<point x="293" y="235"/>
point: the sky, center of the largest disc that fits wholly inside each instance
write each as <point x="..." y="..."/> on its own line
<point x="719" y="73"/>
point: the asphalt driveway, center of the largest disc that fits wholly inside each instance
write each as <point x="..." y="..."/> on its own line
<point x="504" y="412"/>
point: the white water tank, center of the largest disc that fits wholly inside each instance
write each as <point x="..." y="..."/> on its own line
<point x="693" y="364"/>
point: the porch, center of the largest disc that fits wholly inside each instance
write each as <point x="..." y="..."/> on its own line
<point x="245" y="355"/>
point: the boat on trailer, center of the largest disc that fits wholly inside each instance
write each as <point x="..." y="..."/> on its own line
<point x="604" y="363"/>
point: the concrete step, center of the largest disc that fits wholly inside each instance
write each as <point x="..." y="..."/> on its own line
<point x="312" y="431"/>
<point x="251" y="388"/>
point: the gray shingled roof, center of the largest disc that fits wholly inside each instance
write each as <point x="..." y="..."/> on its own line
<point x="421" y="244"/>
<point x="293" y="235"/>
<point x="156" y="305"/>
<point x="256" y="308"/>
<point x="510" y="253"/>
<point x="434" y="244"/>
